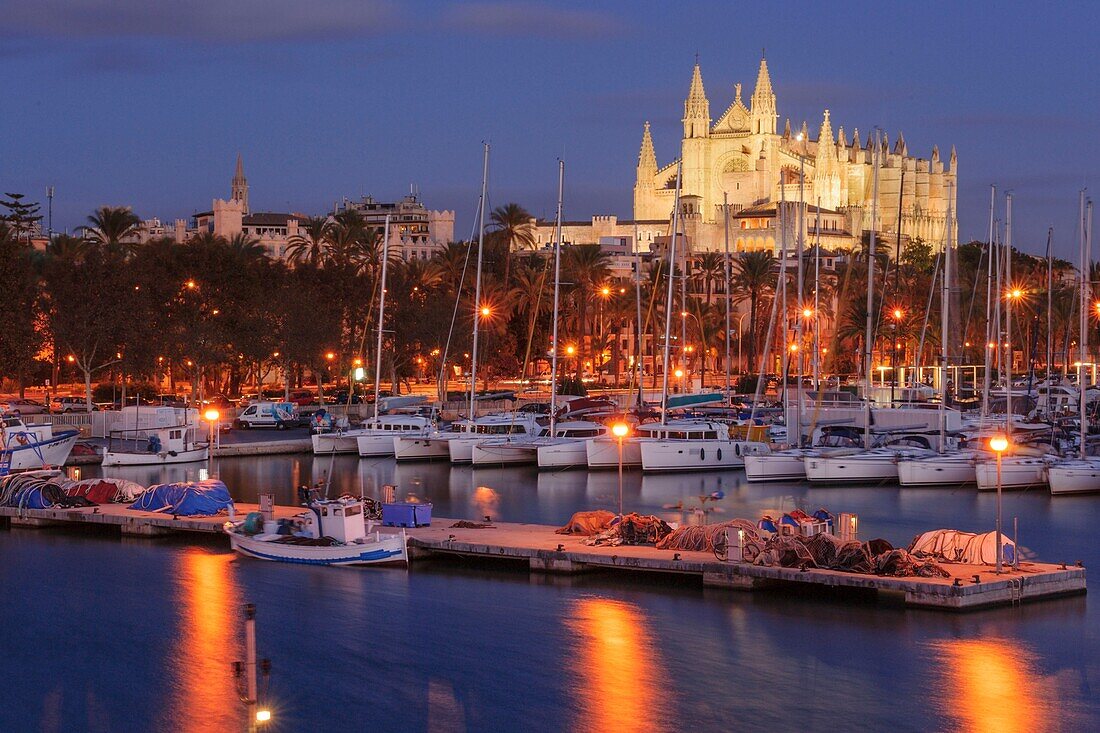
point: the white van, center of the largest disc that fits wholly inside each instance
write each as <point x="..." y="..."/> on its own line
<point x="279" y="415"/>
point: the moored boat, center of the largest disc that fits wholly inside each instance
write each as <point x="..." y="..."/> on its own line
<point x="26" y="447"/>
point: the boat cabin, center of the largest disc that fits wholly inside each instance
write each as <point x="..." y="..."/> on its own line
<point x="340" y="519"/>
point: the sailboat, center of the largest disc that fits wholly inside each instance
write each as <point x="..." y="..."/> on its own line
<point x="1082" y="474"/>
<point x="688" y="445"/>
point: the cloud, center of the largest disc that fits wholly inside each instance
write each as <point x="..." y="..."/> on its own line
<point x="531" y="20"/>
<point x="209" y="21"/>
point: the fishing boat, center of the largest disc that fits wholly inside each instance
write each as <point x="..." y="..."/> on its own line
<point x="330" y="532"/>
<point x="153" y="446"/>
<point x="26" y="447"/>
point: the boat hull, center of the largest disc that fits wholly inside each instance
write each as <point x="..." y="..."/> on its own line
<point x="573" y="454"/>
<point x="461" y="450"/>
<point x="390" y="550"/>
<point x="499" y="454"/>
<point x="780" y="466"/>
<point x="35" y="455"/>
<point x="603" y="453"/>
<point x="945" y="471"/>
<point x="375" y="445"/>
<point x="695" y="455"/>
<point x="409" y="448"/>
<point x="1016" y="473"/>
<point x="848" y="469"/>
<point x="329" y="443"/>
<point x="119" y="458"/>
<point x="1081" y="477"/>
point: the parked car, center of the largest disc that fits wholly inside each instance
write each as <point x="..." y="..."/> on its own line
<point x="23" y="407"/>
<point x="303" y="397"/>
<point x="171" y="400"/>
<point x="70" y="404"/>
<point x="219" y="402"/>
<point x="341" y="398"/>
<point x="279" y="415"/>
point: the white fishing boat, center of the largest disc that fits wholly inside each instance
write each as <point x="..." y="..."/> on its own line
<point x="1077" y="476"/>
<point x="1017" y="472"/>
<point x="376" y="437"/>
<point x="152" y="447"/>
<point x="26" y="447"/>
<point x="329" y="533"/>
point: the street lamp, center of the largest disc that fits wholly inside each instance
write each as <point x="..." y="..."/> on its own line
<point x="999" y="444"/>
<point x="211" y="416"/>
<point x="486" y="311"/>
<point x="619" y="430"/>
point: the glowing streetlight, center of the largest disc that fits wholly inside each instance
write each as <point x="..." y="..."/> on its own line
<point x="330" y="356"/>
<point x="263" y="716"/>
<point x="897" y="314"/>
<point x="999" y="444"/>
<point x="1016" y="294"/>
<point x="605" y="291"/>
<point x="793" y="348"/>
<point x="190" y="285"/>
<point x="212" y="415"/>
<point x="619" y="430"/>
<point x="570" y="350"/>
<point x="486" y="311"/>
<point x="679" y="373"/>
<point x="807" y="312"/>
<point x="357" y="361"/>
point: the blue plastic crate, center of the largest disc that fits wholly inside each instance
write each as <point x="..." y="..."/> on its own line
<point x="405" y="514"/>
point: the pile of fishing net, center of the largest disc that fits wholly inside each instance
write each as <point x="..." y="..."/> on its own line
<point x="829" y="552"/>
<point x="38" y="490"/>
<point x="588" y="523"/>
<point x="708" y="537"/>
<point x="631" y="529"/>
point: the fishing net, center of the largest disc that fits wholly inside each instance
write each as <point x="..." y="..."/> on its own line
<point x="708" y="537"/>
<point x="632" y="529"/>
<point x="588" y="523"/>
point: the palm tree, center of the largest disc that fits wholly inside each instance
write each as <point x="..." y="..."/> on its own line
<point x="114" y="227"/>
<point x="585" y="267"/>
<point x="511" y="230"/>
<point x="246" y="247"/>
<point x="753" y="278"/>
<point x="710" y="268"/>
<point x="311" y="243"/>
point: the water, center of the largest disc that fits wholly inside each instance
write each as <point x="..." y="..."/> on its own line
<point x="108" y="635"/>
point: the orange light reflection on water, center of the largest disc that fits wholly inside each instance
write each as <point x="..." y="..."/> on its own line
<point x="205" y="696"/>
<point x="618" y="671"/>
<point x="996" y="685"/>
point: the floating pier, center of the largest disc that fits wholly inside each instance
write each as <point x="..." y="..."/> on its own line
<point x="543" y="551"/>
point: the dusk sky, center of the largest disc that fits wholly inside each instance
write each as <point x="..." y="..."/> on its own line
<point x="147" y="104"/>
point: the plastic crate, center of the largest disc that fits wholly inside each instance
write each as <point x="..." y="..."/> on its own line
<point x="405" y="514"/>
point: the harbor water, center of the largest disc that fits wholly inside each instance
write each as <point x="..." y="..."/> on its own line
<point x="103" y="634"/>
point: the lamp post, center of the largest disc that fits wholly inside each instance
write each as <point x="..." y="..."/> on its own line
<point x="740" y="338"/>
<point x="211" y="416"/>
<point x="894" y="354"/>
<point x="619" y="430"/>
<point x="999" y="444"/>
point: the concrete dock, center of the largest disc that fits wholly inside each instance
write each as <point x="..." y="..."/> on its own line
<point x="541" y="550"/>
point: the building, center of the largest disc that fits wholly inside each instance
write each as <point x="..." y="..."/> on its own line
<point x="745" y="161"/>
<point x="417" y="232"/>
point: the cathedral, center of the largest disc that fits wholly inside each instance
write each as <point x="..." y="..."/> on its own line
<point x="743" y="159"/>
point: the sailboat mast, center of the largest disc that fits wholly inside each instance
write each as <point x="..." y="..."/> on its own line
<point x="1082" y="353"/>
<point x="477" y="281"/>
<point x="726" y="263"/>
<point x="986" y="381"/>
<point x="381" y="315"/>
<point x="945" y="307"/>
<point x="868" y="338"/>
<point x="671" y="285"/>
<point x="557" y="291"/>
<point x="817" y="299"/>
<point x="800" y="294"/>
<point x="1008" y="315"/>
<point x="1050" y="303"/>
<point x="638" y="314"/>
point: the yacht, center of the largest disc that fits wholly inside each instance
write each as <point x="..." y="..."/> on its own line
<point x="563" y="449"/>
<point x="376" y="437"/>
<point x="942" y="469"/>
<point x="460" y="447"/>
<point x="695" y="445"/>
<point x="430" y="446"/>
<point x="1074" y="476"/>
<point x="1017" y="472"/>
<point x="870" y="466"/>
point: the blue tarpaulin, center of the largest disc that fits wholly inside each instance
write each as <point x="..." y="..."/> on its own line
<point x="187" y="498"/>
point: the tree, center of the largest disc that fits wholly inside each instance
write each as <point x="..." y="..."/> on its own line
<point x="511" y="230"/>
<point x="754" y="278"/>
<point x="586" y="267"/>
<point x="311" y="243"/>
<point x="114" y="227"/>
<point x="19" y="339"/>
<point x="22" y="217"/>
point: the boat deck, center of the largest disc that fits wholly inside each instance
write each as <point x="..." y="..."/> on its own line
<point x="543" y="551"/>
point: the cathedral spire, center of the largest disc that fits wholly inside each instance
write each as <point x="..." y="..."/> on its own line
<point x="696" y="107"/>
<point x="787" y="129"/>
<point x="804" y="133"/>
<point x="764" y="114"/>
<point x="239" y="188"/>
<point x="841" y="141"/>
<point x="900" y="147"/>
<point x="647" y="158"/>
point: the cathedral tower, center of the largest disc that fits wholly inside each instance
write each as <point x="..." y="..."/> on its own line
<point x="764" y="114"/>
<point x="696" y="107"/>
<point x="239" y="190"/>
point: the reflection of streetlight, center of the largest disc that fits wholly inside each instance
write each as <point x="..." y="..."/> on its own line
<point x="619" y="430"/>
<point x="999" y="444"/>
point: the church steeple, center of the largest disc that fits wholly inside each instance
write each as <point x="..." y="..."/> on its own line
<point x="647" y="157"/>
<point x="826" y="169"/>
<point x="763" y="102"/>
<point x="239" y="190"/>
<point x="696" y="107"/>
